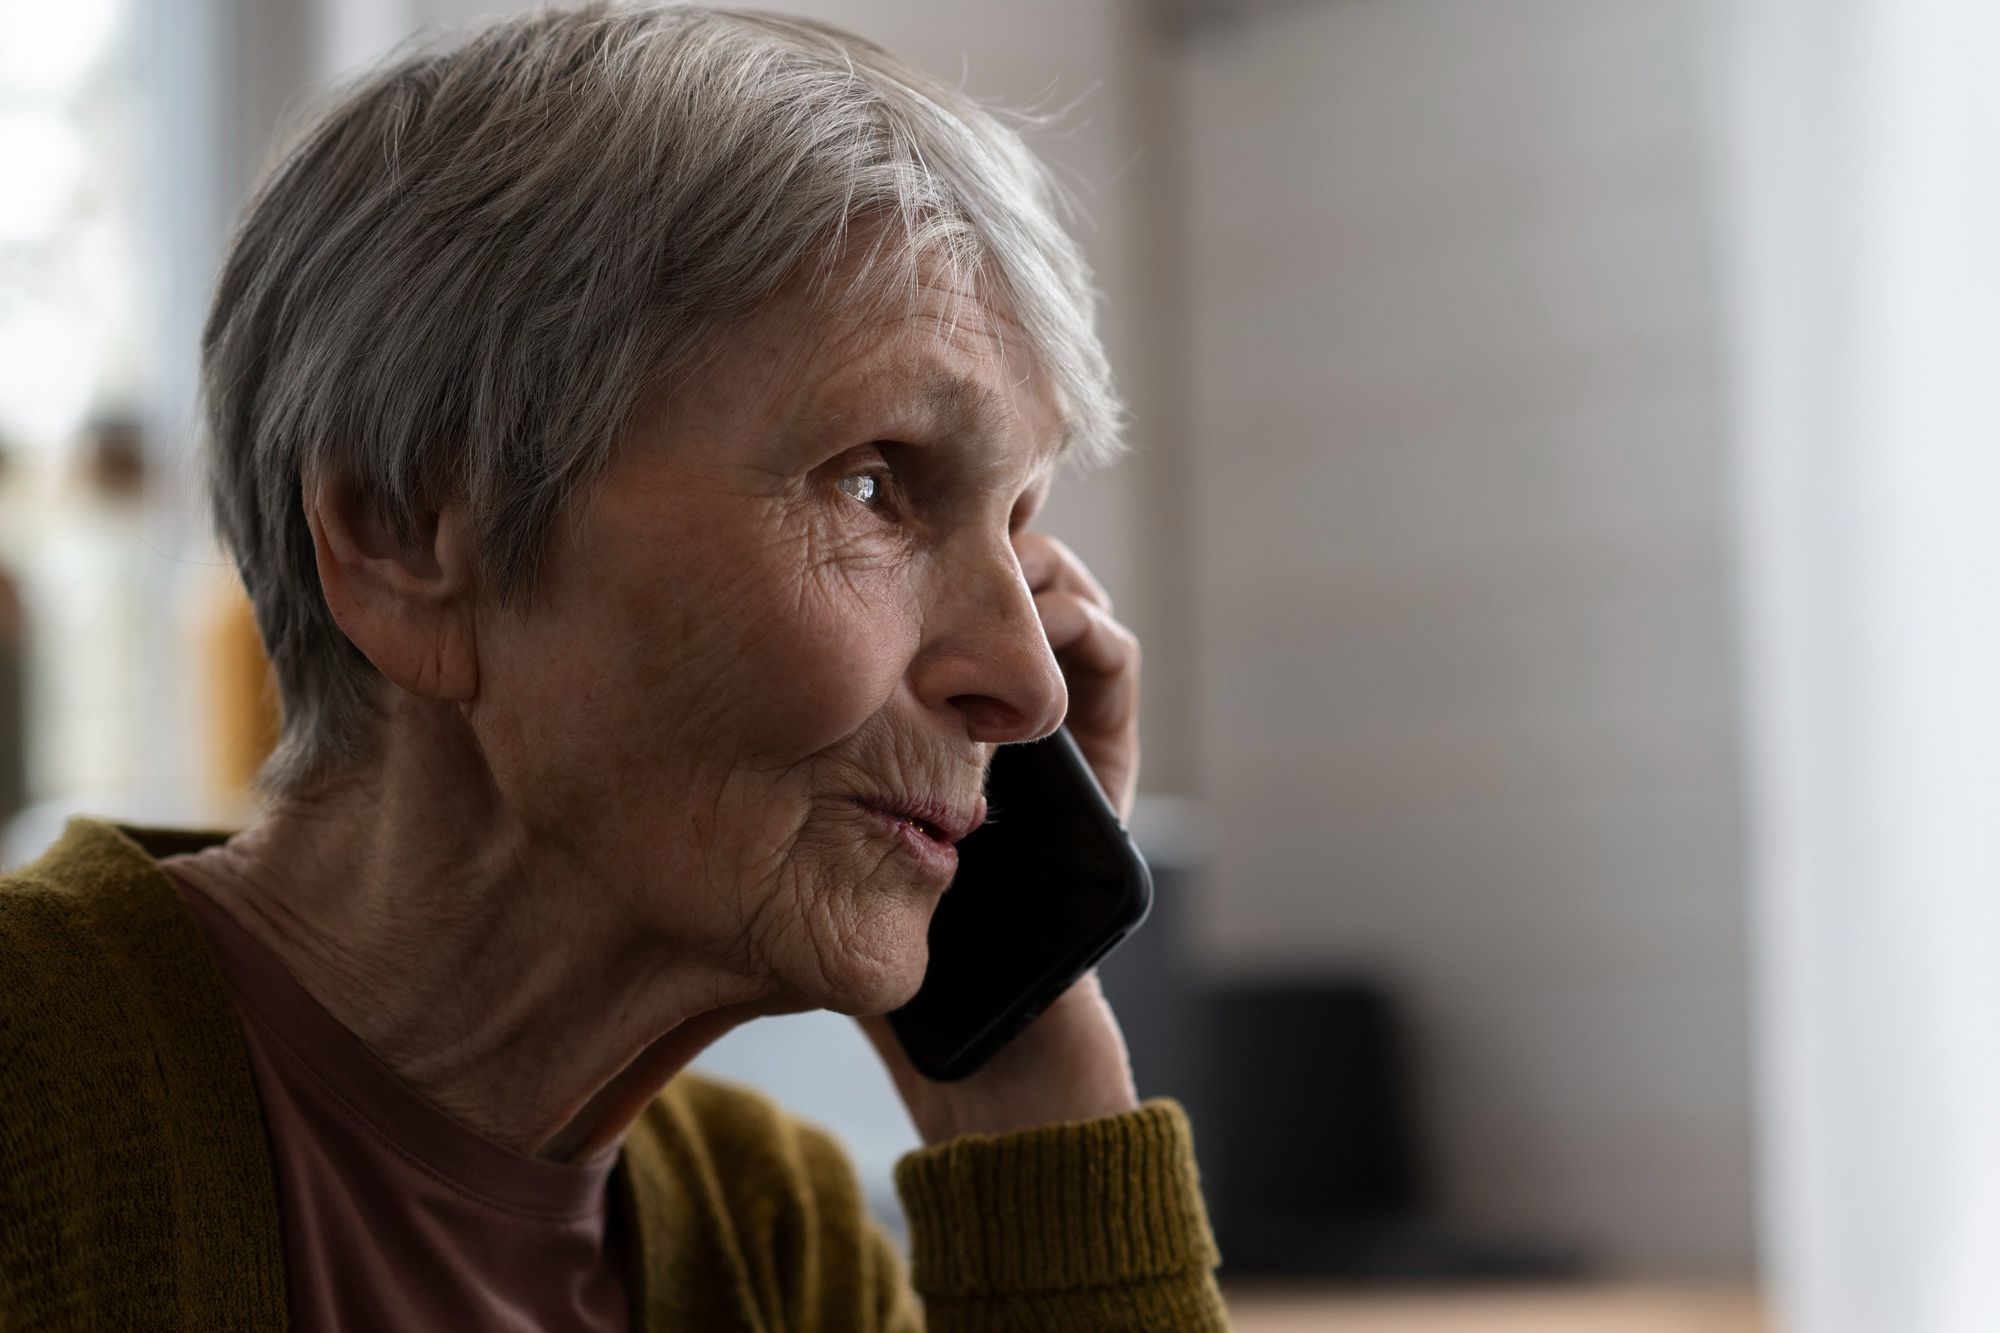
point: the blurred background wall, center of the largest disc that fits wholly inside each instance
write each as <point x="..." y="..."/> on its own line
<point x="1466" y="700"/>
<point x="1451" y="529"/>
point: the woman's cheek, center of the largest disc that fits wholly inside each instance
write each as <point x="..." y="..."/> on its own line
<point x="834" y="621"/>
<point x="852" y="646"/>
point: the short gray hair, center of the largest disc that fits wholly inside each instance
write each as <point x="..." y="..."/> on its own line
<point x="477" y="262"/>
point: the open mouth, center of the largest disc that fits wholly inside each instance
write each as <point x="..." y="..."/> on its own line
<point x="923" y="826"/>
<point x="928" y="841"/>
<point x="925" y="816"/>
<point x="929" y="830"/>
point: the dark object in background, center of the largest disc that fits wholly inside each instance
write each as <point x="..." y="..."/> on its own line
<point x="112" y="454"/>
<point x="1318" y="1169"/>
<point x="1307" y="1115"/>
<point x="1343" y="1072"/>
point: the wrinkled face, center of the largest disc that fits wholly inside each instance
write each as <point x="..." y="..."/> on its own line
<point x="793" y="603"/>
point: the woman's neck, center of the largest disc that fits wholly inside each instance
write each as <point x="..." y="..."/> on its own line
<point x="486" y="970"/>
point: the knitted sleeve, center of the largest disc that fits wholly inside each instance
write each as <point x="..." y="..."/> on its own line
<point x="896" y="1309"/>
<point x="749" y="1217"/>
<point x="1086" y="1227"/>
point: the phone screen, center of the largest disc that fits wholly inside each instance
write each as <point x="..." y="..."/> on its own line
<point x="1044" y="889"/>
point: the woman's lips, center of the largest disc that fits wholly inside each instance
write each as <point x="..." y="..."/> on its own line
<point x="931" y="852"/>
<point x="942" y="820"/>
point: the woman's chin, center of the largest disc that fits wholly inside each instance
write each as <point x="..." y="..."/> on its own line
<point x="874" y="975"/>
<point x="885" y="991"/>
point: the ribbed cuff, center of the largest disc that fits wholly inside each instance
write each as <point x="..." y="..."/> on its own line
<point x="1094" y="1203"/>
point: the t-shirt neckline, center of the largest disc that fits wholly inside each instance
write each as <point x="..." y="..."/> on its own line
<point x="319" y="1046"/>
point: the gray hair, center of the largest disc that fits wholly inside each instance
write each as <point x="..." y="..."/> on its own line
<point x="477" y="262"/>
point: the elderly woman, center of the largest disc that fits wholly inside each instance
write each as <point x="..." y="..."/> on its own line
<point x="628" y="426"/>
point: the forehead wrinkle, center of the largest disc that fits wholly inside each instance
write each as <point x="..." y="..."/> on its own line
<point x="960" y="317"/>
<point x="946" y="386"/>
<point x="950" y="400"/>
<point x="963" y="404"/>
<point x="959" y="401"/>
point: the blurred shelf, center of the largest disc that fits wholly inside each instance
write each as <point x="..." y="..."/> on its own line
<point x="1300" y="1308"/>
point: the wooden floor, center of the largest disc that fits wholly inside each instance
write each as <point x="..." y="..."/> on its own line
<point x="1594" y="1309"/>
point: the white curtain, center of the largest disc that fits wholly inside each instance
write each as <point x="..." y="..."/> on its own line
<point x="1861" y="239"/>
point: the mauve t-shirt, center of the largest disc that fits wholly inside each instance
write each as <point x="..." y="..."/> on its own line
<point x="396" y="1215"/>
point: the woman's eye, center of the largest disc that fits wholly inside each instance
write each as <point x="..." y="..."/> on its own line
<point x="863" y="486"/>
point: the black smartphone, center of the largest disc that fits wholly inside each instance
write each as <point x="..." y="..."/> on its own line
<point x="1045" y="888"/>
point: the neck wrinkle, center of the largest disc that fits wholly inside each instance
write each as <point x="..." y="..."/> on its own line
<point x="468" y="959"/>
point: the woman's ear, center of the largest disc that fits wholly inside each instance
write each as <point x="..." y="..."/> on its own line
<point x="408" y="605"/>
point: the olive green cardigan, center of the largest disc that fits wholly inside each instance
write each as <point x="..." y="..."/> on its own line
<point x="137" y="1190"/>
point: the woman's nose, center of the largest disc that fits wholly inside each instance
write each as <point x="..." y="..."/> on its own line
<point x="987" y="657"/>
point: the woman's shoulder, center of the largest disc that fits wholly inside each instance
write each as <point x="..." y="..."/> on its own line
<point x="748" y="1139"/>
<point x="728" y="1183"/>
<point x="112" y="1008"/>
<point x="77" y="1132"/>
<point x="130" y="1141"/>
<point x="56" y="947"/>
<point x="92" y="936"/>
<point x="734" y="1153"/>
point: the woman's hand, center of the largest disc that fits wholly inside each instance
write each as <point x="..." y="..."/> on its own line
<point x="1099" y="659"/>
<point x="1071" y="1063"/>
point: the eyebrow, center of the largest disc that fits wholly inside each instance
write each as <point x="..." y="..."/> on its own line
<point x="962" y="402"/>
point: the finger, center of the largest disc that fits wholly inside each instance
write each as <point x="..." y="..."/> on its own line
<point x="1047" y="564"/>
<point x="1099" y="658"/>
<point x="1087" y="635"/>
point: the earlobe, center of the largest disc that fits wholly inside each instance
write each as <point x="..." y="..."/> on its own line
<point x="406" y="602"/>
